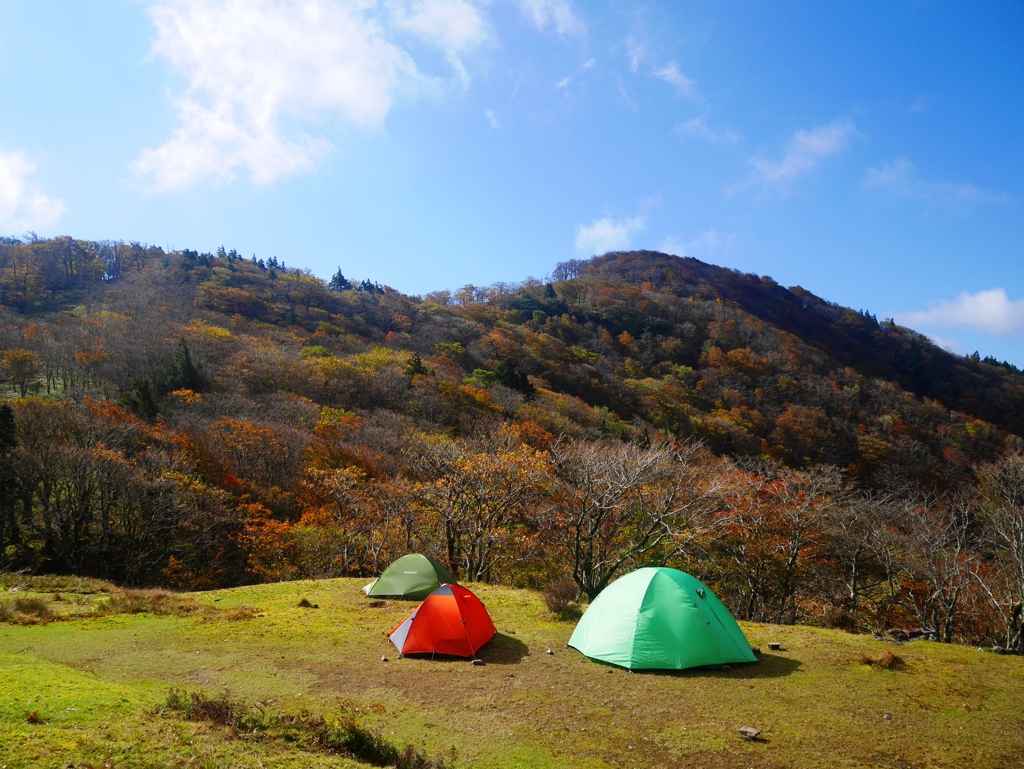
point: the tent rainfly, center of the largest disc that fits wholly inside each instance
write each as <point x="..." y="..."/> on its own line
<point x="660" y="618"/>
<point x="451" y="621"/>
<point x="412" y="577"/>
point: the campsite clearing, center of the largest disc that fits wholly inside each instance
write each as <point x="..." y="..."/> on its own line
<point x="96" y="686"/>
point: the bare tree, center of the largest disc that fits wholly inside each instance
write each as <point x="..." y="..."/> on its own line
<point x="939" y="559"/>
<point x="774" y="531"/>
<point x="859" y="532"/>
<point x="618" y="503"/>
<point x="1002" y="485"/>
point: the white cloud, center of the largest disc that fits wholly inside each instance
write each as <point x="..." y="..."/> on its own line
<point x="949" y="345"/>
<point x="990" y="312"/>
<point x="566" y="81"/>
<point x="492" y="118"/>
<point x="636" y="54"/>
<point x="672" y="245"/>
<point x="556" y="13"/>
<point x="698" y="129"/>
<point x="708" y="240"/>
<point x="23" y="203"/>
<point x="802" y="154"/>
<point x="453" y="25"/>
<point x="705" y="243"/>
<point x="257" y="68"/>
<point x="670" y="74"/>
<point x="899" y="177"/>
<point x="603" y="235"/>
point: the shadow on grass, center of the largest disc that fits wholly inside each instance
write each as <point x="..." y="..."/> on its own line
<point x="767" y="666"/>
<point x="572" y="614"/>
<point x="503" y="650"/>
<point x="500" y="650"/>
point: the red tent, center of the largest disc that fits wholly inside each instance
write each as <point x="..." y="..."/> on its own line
<point x="451" y="620"/>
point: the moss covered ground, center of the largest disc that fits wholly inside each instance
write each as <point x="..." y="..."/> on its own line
<point x="88" y="690"/>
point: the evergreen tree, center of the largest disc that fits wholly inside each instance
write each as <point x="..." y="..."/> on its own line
<point x="140" y="400"/>
<point x="9" y="530"/>
<point x="506" y="374"/>
<point x="180" y="372"/>
<point x="415" y="367"/>
<point x="339" y="282"/>
<point x="8" y="436"/>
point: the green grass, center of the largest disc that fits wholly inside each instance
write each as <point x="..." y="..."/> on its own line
<point x="99" y="683"/>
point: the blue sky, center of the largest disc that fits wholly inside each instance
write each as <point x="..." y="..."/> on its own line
<point x="872" y="152"/>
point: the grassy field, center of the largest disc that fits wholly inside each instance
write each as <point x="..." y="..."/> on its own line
<point x="90" y="690"/>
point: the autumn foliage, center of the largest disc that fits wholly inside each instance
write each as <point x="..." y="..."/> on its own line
<point x="198" y="420"/>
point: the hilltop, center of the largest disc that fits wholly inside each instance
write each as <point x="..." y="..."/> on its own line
<point x="733" y="359"/>
<point x="985" y="388"/>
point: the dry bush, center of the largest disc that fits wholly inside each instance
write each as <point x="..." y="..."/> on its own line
<point x="53" y="583"/>
<point x="311" y="730"/>
<point x="26" y="611"/>
<point x="234" y="615"/>
<point x="560" y="595"/>
<point x="162" y="603"/>
<point x="158" y="602"/>
<point x="884" y="661"/>
<point x="839" y="619"/>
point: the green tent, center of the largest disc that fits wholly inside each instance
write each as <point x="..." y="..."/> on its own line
<point x="660" y="618"/>
<point x="413" y="577"/>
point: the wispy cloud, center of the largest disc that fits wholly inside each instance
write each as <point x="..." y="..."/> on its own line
<point x="705" y="243"/>
<point x="24" y="205"/>
<point x="566" y="81"/>
<point x="635" y="54"/>
<point x="899" y="178"/>
<point x="603" y="235"/>
<point x="801" y="154"/>
<point x="697" y="128"/>
<point x="670" y="74"/>
<point x="554" y="13"/>
<point x="254" y="67"/>
<point x="920" y="104"/>
<point x="492" y="118"/>
<point x="990" y="312"/>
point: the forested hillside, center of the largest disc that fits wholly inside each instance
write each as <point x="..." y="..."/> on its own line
<point x="206" y="419"/>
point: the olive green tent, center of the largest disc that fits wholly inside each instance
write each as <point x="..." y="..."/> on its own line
<point x="412" y="577"/>
<point x="660" y="618"/>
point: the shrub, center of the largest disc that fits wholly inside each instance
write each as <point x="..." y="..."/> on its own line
<point x="313" y="731"/>
<point x="158" y="602"/>
<point x="884" y="661"/>
<point x="26" y="610"/>
<point x="560" y="595"/>
<point x="839" y="619"/>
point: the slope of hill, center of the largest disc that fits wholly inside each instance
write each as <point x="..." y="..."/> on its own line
<point x="206" y="420"/>
<point x="987" y="389"/>
<point x="97" y="686"/>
